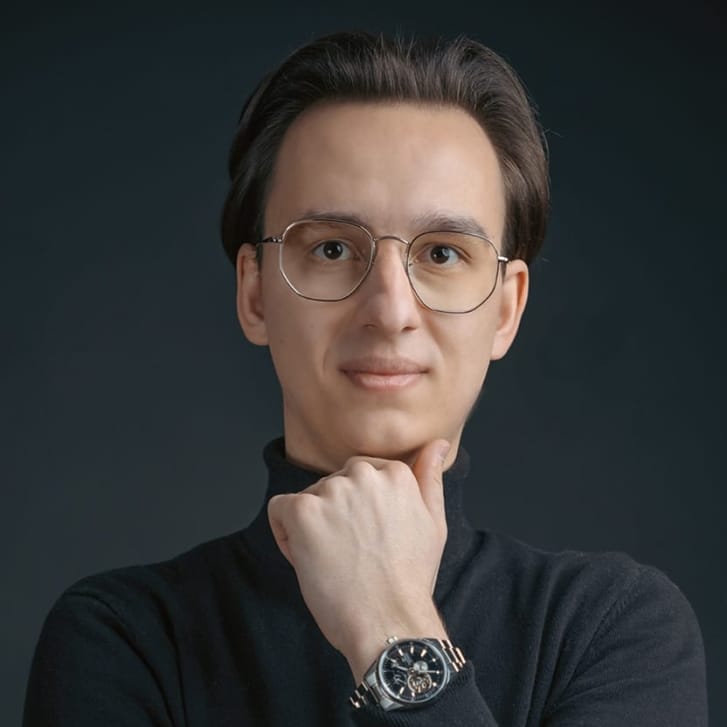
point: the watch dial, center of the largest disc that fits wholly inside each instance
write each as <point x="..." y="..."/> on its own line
<point x="412" y="671"/>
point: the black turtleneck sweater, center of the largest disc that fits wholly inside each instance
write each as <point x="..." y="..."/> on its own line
<point x="221" y="636"/>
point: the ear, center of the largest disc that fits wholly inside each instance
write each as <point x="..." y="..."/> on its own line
<point x="249" y="296"/>
<point x="513" y="298"/>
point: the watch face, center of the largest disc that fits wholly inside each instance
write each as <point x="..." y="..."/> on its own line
<point x="412" y="671"/>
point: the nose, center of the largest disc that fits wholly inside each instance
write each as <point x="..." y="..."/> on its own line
<point x="386" y="299"/>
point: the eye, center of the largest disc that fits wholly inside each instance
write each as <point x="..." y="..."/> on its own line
<point x="333" y="250"/>
<point x="440" y="255"/>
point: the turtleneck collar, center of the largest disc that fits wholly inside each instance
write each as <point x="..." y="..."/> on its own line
<point x="286" y="477"/>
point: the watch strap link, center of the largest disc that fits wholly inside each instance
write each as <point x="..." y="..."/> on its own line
<point x="453" y="653"/>
<point x="360" y="694"/>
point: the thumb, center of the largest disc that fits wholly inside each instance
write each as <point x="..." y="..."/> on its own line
<point x="428" y="471"/>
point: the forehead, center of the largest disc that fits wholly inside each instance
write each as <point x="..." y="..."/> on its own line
<point x="389" y="164"/>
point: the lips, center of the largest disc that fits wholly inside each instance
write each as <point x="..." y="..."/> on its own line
<point x="378" y="373"/>
<point x="383" y="366"/>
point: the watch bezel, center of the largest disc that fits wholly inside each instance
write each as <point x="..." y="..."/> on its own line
<point x="434" y="647"/>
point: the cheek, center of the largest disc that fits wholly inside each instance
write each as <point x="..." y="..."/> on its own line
<point x="466" y="353"/>
<point x="292" y="344"/>
<point x="299" y="336"/>
<point x="467" y="342"/>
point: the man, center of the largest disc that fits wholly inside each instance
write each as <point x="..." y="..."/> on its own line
<point x="385" y="201"/>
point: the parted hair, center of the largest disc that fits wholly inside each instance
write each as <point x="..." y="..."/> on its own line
<point x="357" y="66"/>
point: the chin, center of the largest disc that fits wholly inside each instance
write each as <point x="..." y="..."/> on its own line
<point x="389" y="437"/>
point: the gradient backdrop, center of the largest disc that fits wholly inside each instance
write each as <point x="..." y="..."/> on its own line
<point x="132" y="411"/>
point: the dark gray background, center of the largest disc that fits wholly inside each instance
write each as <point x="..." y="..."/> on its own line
<point x="132" y="411"/>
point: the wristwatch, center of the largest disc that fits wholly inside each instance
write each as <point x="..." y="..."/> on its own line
<point x="408" y="672"/>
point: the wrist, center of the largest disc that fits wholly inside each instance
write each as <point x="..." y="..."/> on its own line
<point x="371" y="641"/>
<point x="408" y="672"/>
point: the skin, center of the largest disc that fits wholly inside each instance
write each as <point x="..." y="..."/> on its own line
<point x="366" y="541"/>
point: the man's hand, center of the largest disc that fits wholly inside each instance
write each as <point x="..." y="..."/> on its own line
<point x="366" y="543"/>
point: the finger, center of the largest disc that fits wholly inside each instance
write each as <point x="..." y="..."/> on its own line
<point x="428" y="471"/>
<point x="378" y="463"/>
<point x="323" y="485"/>
<point x="277" y="507"/>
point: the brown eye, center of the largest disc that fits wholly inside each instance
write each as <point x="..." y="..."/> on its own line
<point x="332" y="250"/>
<point x="441" y="255"/>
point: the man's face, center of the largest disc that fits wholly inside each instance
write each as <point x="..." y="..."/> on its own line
<point x="340" y="363"/>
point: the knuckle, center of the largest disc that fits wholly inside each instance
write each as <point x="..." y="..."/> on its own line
<point x="329" y="486"/>
<point x="360" y="468"/>
<point x="400" y="471"/>
<point x="275" y="503"/>
<point x="293" y="508"/>
<point x="304" y="504"/>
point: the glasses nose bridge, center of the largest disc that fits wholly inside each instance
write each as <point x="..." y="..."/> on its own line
<point x="375" y="242"/>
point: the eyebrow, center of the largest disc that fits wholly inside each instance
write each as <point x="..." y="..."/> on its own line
<point x="451" y="221"/>
<point x="438" y="220"/>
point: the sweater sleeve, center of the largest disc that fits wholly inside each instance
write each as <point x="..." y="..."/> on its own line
<point x="460" y="705"/>
<point x="88" y="669"/>
<point x="644" y="666"/>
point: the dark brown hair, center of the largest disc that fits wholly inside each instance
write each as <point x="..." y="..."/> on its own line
<point x="358" y="66"/>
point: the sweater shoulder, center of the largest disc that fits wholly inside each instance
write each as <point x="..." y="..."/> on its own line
<point x="602" y="621"/>
<point x="593" y="600"/>
<point x="160" y="587"/>
<point x="111" y="642"/>
<point x="608" y="571"/>
<point x="593" y="589"/>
